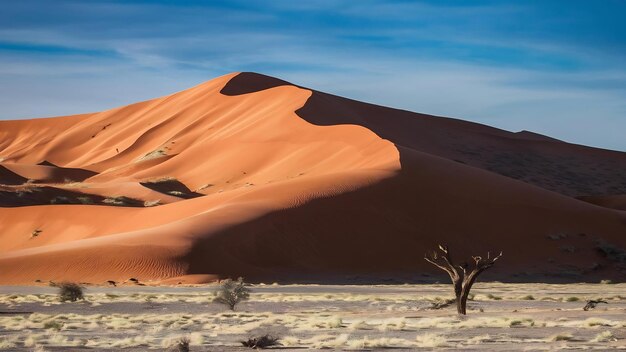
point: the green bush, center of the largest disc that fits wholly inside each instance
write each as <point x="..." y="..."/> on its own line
<point x="232" y="292"/>
<point x="70" y="291"/>
<point x="54" y="325"/>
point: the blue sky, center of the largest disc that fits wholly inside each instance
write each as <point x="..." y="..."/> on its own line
<point x="554" y="67"/>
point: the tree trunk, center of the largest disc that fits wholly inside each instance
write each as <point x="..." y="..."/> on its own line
<point x="466" y="286"/>
<point x="458" y="293"/>
<point x="461" y="303"/>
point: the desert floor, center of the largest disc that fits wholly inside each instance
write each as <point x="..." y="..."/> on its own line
<point x="501" y="317"/>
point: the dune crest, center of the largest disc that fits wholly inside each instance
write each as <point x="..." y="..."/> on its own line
<point x="250" y="175"/>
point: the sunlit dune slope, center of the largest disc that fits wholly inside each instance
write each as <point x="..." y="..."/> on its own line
<point x="249" y="175"/>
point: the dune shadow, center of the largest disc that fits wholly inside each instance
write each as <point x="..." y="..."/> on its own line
<point x="250" y="82"/>
<point x="47" y="195"/>
<point x="171" y="187"/>
<point x="8" y="177"/>
<point x="568" y="169"/>
<point x="380" y="232"/>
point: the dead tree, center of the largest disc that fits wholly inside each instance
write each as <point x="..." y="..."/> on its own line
<point x="463" y="279"/>
<point x="591" y="304"/>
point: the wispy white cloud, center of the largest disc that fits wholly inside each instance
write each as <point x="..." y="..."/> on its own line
<point x="504" y="64"/>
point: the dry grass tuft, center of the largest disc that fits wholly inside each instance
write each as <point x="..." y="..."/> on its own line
<point x="604" y="336"/>
<point x="359" y="325"/>
<point x="560" y="337"/>
<point x="431" y="340"/>
<point x="152" y="155"/>
<point x="290" y="341"/>
<point x="477" y="340"/>
<point x="152" y="203"/>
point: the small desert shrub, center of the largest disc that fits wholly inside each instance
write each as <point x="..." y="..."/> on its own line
<point x="560" y="337"/>
<point x="232" y="292"/>
<point x="119" y="201"/>
<point x="85" y="200"/>
<point x="393" y="324"/>
<point x="204" y="187"/>
<point x="5" y="343"/>
<point x="261" y="342"/>
<point x="149" y="300"/>
<point x="366" y="343"/>
<point x="162" y="179"/>
<point x="572" y="299"/>
<point x="35" y="233"/>
<point x="604" y="336"/>
<point x="335" y="322"/>
<point x="495" y="298"/>
<point x="439" y="303"/>
<point x="153" y="155"/>
<point x="290" y="341"/>
<point x="70" y="291"/>
<point x="39" y="348"/>
<point x="60" y="200"/>
<point x="31" y="340"/>
<point x="528" y="298"/>
<point x="182" y="345"/>
<point x="593" y="303"/>
<point x="597" y="322"/>
<point x="54" y="325"/>
<point x="359" y="325"/>
<point x="431" y="340"/>
<point x="152" y="203"/>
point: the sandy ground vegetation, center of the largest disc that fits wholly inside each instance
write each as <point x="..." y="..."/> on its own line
<point x="501" y="317"/>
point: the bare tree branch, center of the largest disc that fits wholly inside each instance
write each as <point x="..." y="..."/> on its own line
<point x="462" y="282"/>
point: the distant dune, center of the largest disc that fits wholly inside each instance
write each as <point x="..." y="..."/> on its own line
<point x="248" y="175"/>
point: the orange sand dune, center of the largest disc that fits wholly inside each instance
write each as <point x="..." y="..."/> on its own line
<point x="249" y="175"/>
